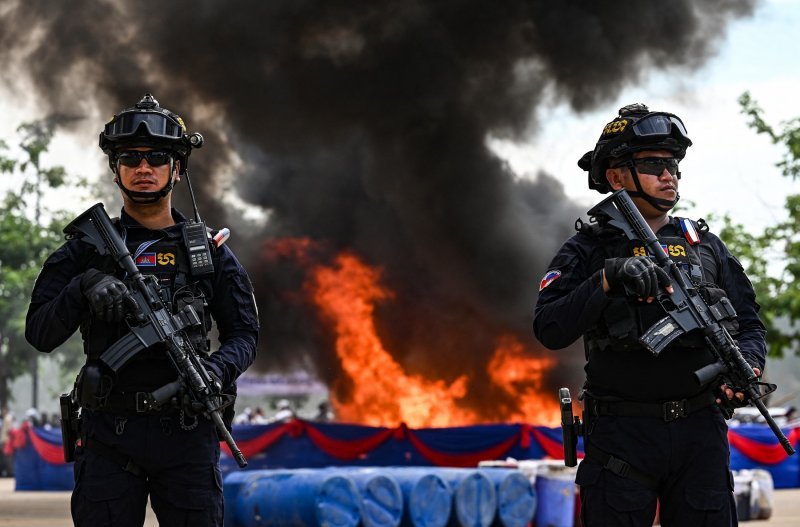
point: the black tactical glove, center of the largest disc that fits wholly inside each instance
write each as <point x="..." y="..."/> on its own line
<point x="108" y="297"/>
<point x="638" y="275"/>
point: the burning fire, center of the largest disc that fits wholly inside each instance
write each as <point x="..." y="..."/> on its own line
<point x="346" y="294"/>
<point x="520" y="375"/>
<point x="384" y="393"/>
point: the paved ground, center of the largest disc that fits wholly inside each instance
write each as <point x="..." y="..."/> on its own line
<point x="51" y="509"/>
<point x="40" y="508"/>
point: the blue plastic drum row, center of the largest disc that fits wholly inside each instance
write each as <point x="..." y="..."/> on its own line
<point x="379" y="497"/>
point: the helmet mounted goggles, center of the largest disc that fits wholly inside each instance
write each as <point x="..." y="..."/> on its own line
<point x="153" y="124"/>
<point x="659" y="124"/>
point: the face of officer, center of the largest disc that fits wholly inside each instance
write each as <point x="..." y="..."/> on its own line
<point x="144" y="169"/>
<point x="658" y="175"/>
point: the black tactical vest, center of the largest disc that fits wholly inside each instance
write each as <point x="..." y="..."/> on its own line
<point x="167" y="260"/>
<point x="624" y="320"/>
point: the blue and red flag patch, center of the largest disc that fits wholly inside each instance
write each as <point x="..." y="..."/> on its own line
<point x="146" y="260"/>
<point x="549" y="277"/>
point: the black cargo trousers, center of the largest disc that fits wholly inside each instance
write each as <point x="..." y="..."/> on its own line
<point x="688" y="458"/>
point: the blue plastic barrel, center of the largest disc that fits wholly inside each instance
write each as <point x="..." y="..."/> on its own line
<point x="516" y="497"/>
<point x="302" y="497"/>
<point x="555" y="493"/>
<point x="381" y="496"/>
<point x="474" y="498"/>
<point x="232" y="487"/>
<point x="427" y="498"/>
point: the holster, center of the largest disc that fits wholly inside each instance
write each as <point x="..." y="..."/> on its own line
<point x="571" y="428"/>
<point x="70" y="426"/>
<point x="92" y="386"/>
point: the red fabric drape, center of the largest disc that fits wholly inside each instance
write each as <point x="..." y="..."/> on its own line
<point x="257" y="444"/>
<point x="470" y="459"/>
<point x="48" y="451"/>
<point x="554" y="449"/>
<point x="346" y="450"/>
<point x="764" y="454"/>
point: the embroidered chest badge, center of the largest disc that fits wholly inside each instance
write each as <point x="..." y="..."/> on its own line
<point x="549" y="277"/>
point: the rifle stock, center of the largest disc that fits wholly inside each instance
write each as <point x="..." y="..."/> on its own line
<point x="687" y="311"/>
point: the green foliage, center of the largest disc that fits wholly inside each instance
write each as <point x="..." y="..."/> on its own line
<point x="788" y="136"/>
<point x="772" y="258"/>
<point x="26" y="239"/>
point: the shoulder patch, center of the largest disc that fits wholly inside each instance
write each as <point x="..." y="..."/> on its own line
<point x="549" y="277"/>
<point x="689" y="232"/>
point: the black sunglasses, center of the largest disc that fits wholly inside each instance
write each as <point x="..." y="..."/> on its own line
<point x="654" y="166"/>
<point x="155" y="158"/>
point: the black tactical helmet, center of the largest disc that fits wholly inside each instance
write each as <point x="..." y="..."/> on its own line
<point x="148" y="124"/>
<point x="636" y="129"/>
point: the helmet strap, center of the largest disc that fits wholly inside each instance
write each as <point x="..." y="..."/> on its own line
<point x="664" y="205"/>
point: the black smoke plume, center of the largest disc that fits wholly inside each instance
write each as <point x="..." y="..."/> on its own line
<point x="364" y="125"/>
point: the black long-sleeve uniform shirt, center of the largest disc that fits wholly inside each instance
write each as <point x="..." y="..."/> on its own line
<point x="58" y="308"/>
<point x="573" y="302"/>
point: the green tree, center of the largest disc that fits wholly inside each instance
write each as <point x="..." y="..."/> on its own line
<point x="772" y="258"/>
<point x="28" y="233"/>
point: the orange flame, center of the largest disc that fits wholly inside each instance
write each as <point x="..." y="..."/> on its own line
<point x="522" y="376"/>
<point x="383" y="394"/>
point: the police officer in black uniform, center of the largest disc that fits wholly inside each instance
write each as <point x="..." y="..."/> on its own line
<point x="650" y="432"/>
<point x="130" y="452"/>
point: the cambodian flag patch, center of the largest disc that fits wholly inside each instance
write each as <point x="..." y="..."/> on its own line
<point x="549" y="278"/>
<point x="146" y="260"/>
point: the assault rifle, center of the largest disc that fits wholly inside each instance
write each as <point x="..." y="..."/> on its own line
<point x="687" y="311"/>
<point x="152" y="323"/>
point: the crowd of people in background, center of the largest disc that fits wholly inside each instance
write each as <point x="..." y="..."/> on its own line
<point x="284" y="411"/>
<point x="7" y="423"/>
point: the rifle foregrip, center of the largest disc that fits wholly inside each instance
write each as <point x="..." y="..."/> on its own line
<point x="708" y="373"/>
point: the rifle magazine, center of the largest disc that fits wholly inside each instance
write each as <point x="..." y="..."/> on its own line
<point x="660" y="335"/>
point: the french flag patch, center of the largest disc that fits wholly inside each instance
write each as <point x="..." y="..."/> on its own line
<point x="146" y="260"/>
<point x="549" y="278"/>
<point x="689" y="232"/>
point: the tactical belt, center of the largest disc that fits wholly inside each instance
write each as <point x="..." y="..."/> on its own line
<point x="668" y="411"/>
<point x="133" y="403"/>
